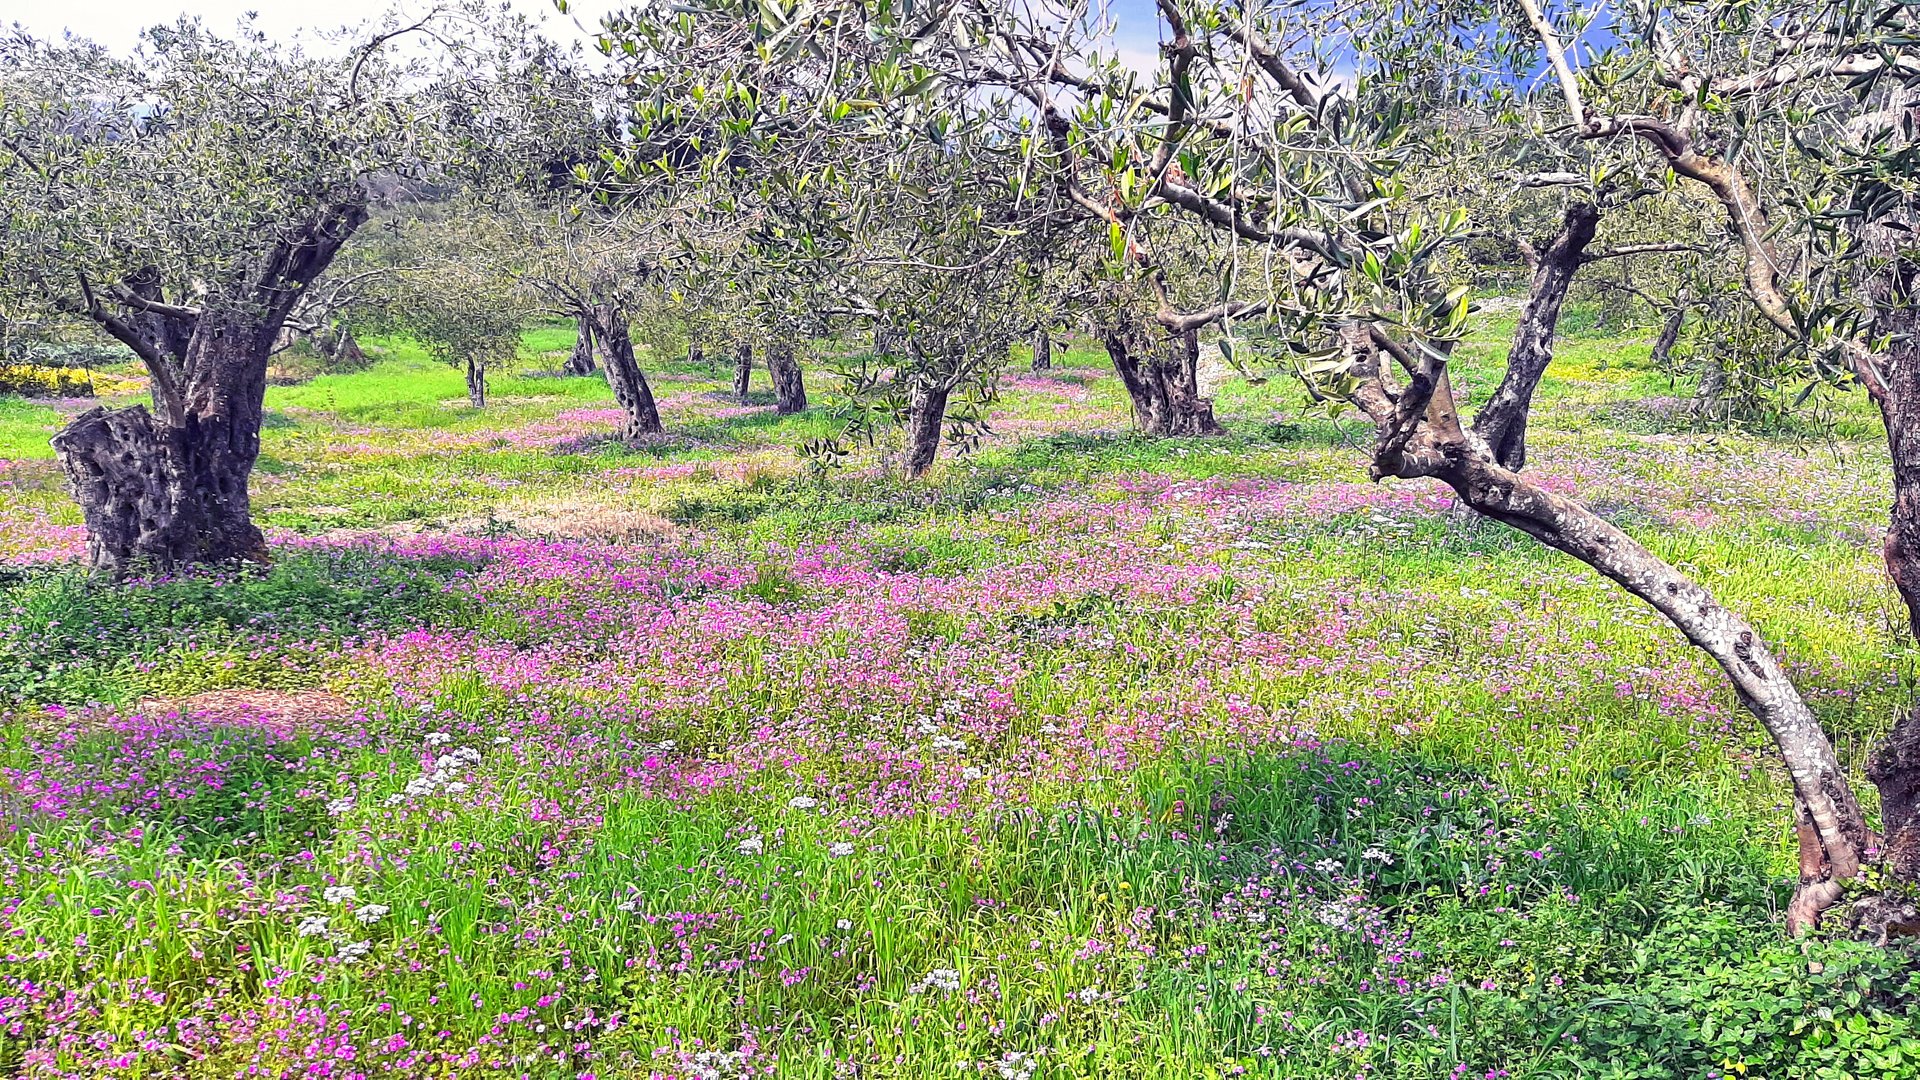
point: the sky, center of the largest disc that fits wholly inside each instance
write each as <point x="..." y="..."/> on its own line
<point x="116" y="24"/>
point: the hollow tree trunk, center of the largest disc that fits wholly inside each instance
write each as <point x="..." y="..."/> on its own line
<point x="926" y="419"/>
<point x="1502" y="422"/>
<point x="629" y="383"/>
<point x="580" y="360"/>
<point x="165" y="492"/>
<point x="742" y="368"/>
<point x="1161" y="372"/>
<point x="1042" y="350"/>
<point x="477" y="382"/>
<point x="789" y="387"/>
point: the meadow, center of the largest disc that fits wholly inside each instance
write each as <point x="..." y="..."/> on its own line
<point x="537" y="754"/>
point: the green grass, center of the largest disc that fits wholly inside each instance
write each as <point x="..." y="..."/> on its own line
<point x="1174" y="757"/>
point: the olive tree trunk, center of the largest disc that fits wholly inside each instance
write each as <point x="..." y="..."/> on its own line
<point x="1502" y="422"/>
<point x="161" y="495"/>
<point x="580" y="360"/>
<point x="1894" y="766"/>
<point x="624" y="376"/>
<point x="926" y="419"/>
<point x="1669" y="336"/>
<point x="1161" y="371"/>
<point x="1042" y="350"/>
<point x="168" y="488"/>
<point x="789" y="387"/>
<point x="742" y="368"/>
<point x="1419" y="433"/>
<point x="476" y="382"/>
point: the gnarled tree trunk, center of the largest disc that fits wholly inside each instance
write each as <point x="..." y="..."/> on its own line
<point x="926" y="420"/>
<point x="1042" y="350"/>
<point x="789" y="387"/>
<point x="1503" y="420"/>
<point x="165" y="489"/>
<point x="1161" y="371"/>
<point x="580" y="360"/>
<point x="629" y="383"/>
<point x="163" y="495"/>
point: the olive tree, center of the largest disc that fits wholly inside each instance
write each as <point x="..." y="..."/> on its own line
<point x="1799" y="121"/>
<point x="185" y="199"/>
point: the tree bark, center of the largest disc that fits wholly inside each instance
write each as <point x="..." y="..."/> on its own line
<point x="344" y="353"/>
<point x="1042" y="350"/>
<point x="629" y="383"/>
<point x="1670" y="328"/>
<point x="1161" y="372"/>
<point x="476" y="382"/>
<point x="926" y="420"/>
<point x="158" y="496"/>
<point x="885" y="341"/>
<point x="1503" y="420"/>
<point x="742" y="368"/>
<point x="165" y="489"/>
<point x="580" y="361"/>
<point x="1894" y="766"/>
<point x="789" y="386"/>
<point x="696" y="354"/>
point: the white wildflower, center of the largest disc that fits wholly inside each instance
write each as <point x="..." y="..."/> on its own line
<point x="339" y="894"/>
<point x="396" y="799"/>
<point x="339" y="806"/>
<point x="456" y="786"/>
<point x="372" y="913"/>
<point x="438" y="738"/>
<point x="501" y="740"/>
<point x="1379" y="855"/>
<point x="803" y="802"/>
<point x="840" y="850"/>
<point x="948" y="742"/>
<point x="313" y="926"/>
<point x="714" y="1064"/>
<point x="1327" y="866"/>
<point x="421" y="785"/>
<point x="843" y="924"/>
<point x="972" y="772"/>
<point x="945" y="980"/>
<point x="1016" y="1065"/>
<point x="752" y="845"/>
<point x="353" y="950"/>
